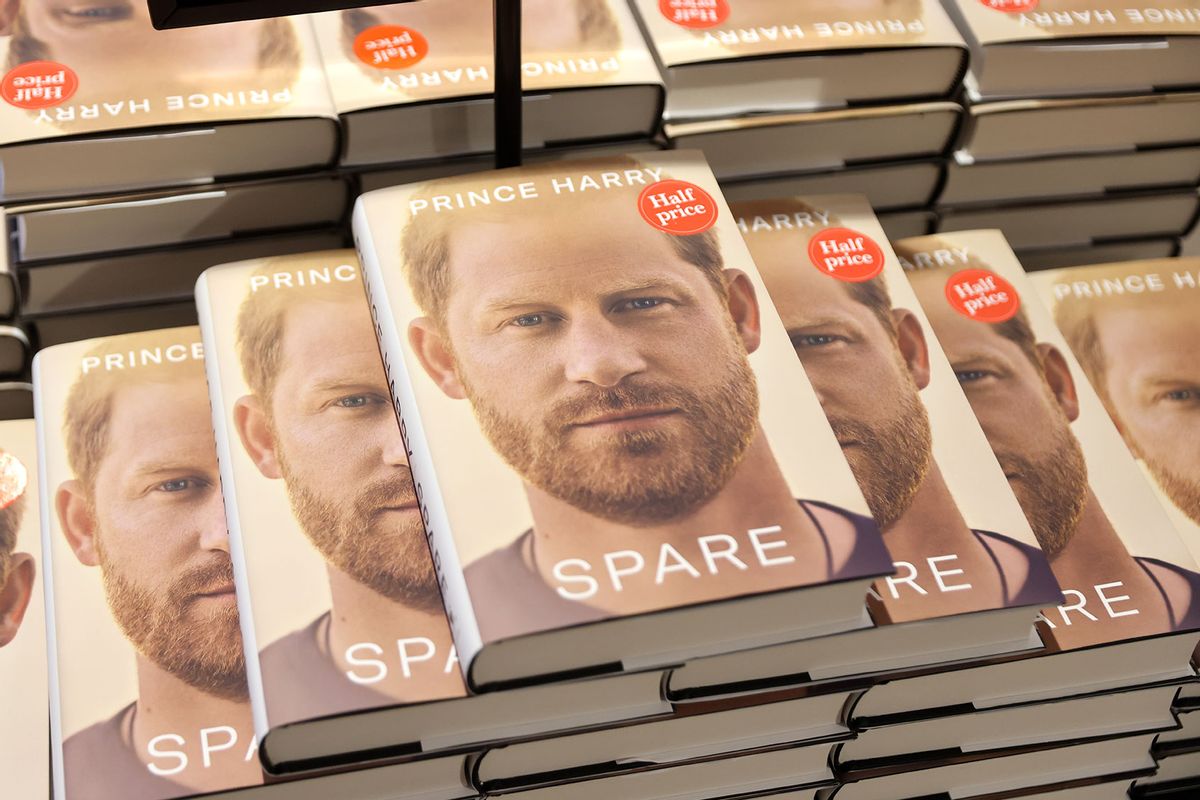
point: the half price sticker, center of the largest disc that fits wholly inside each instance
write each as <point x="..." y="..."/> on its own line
<point x="677" y="207"/>
<point x="982" y="295"/>
<point x="390" y="47"/>
<point x="846" y="254"/>
<point x="39" y="84"/>
<point x="697" y="14"/>
<point x="1011" y="6"/>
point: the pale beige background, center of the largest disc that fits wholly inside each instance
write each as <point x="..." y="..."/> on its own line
<point x="968" y="464"/>
<point x="96" y="667"/>
<point x="288" y="587"/>
<point x="1129" y="500"/>
<point x="679" y="45"/>
<point x="990" y="25"/>
<point x="1044" y="283"/>
<point x="485" y="500"/>
<point x="310" y="97"/>
<point x="356" y="86"/>
<point x="24" y="710"/>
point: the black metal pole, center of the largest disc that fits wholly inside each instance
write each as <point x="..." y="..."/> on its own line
<point x="507" y="31"/>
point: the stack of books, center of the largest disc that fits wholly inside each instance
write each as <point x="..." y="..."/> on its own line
<point x="790" y="98"/>
<point x="1082" y="132"/>
<point x="461" y="513"/>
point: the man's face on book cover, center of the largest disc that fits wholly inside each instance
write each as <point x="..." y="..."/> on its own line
<point x="607" y="369"/>
<point x="154" y="522"/>
<point x="332" y="436"/>
<point x="1022" y="401"/>
<point x="17" y="570"/>
<point x="118" y="55"/>
<point x="862" y="367"/>
<point x="1148" y="371"/>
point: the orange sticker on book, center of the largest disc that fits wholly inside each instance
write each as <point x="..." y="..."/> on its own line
<point x="846" y="254"/>
<point x="678" y="207"/>
<point x="13" y="479"/>
<point x="695" y="13"/>
<point x="1011" y="6"/>
<point x="982" y="295"/>
<point x="390" y="47"/>
<point x="39" y="84"/>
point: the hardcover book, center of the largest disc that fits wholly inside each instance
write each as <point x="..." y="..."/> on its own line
<point x="93" y="99"/>
<point x="1124" y="570"/>
<point x="775" y="144"/>
<point x="1047" y="47"/>
<point x="949" y="519"/>
<point x="1099" y="253"/>
<point x="1132" y="327"/>
<point x="413" y="80"/>
<point x="596" y="498"/>
<point x="970" y="577"/>
<point x="348" y="646"/>
<point x="25" y="733"/>
<point x="724" y="58"/>
<point x="888" y="186"/>
<point x="148" y="686"/>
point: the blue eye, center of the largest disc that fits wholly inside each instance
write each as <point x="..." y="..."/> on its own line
<point x="176" y="485"/>
<point x="813" y="340"/>
<point x="353" y="401"/>
<point x="528" y="320"/>
<point x="1181" y="395"/>
<point x="970" y="375"/>
<point x="642" y="303"/>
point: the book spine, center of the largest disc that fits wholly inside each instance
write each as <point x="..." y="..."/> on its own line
<point x="45" y="509"/>
<point x="237" y="554"/>
<point x="451" y="580"/>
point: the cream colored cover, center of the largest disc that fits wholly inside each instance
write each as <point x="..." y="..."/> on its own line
<point x="787" y="27"/>
<point x="132" y="76"/>
<point x="1036" y="20"/>
<point x="596" y="397"/>
<point x="948" y="516"/>
<point x="25" y="729"/>
<point x="148" y="676"/>
<point x="1133" y="328"/>
<point x="345" y="612"/>
<point x="1124" y="570"/>
<point x="567" y="44"/>
<point x="681" y="129"/>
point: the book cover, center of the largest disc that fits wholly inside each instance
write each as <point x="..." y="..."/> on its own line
<point x="1123" y="568"/>
<point x="428" y="51"/>
<point x="958" y="537"/>
<point x="694" y="31"/>
<point x="25" y="732"/>
<point x="93" y="66"/>
<point x="998" y="21"/>
<point x="147" y="676"/>
<point x="604" y="413"/>
<point x="344" y="609"/>
<point x="1132" y="328"/>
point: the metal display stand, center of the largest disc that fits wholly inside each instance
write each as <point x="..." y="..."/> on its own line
<point x="506" y="28"/>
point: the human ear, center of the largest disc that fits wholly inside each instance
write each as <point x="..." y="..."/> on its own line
<point x="15" y="594"/>
<point x="1058" y="377"/>
<point x="429" y="345"/>
<point x="257" y="437"/>
<point x="914" y="349"/>
<point x="78" y="521"/>
<point x="743" y="307"/>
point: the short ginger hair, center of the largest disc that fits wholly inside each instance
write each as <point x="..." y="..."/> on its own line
<point x="88" y="409"/>
<point x="425" y="244"/>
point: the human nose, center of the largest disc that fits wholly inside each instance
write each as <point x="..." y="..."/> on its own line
<point x="601" y="353"/>
<point x="392" y="446"/>
<point x="214" y="533"/>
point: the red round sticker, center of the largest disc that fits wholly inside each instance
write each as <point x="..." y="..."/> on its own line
<point x="390" y="47"/>
<point x="846" y="254"/>
<point x="695" y="13"/>
<point x="39" y="84"/>
<point x="678" y="207"/>
<point x="1011" y="6"/>
<point x="982" y="295"/>
<point x="13" y="479"/>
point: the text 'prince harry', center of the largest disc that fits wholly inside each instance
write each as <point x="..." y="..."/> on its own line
<point x="607" y="362"/>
